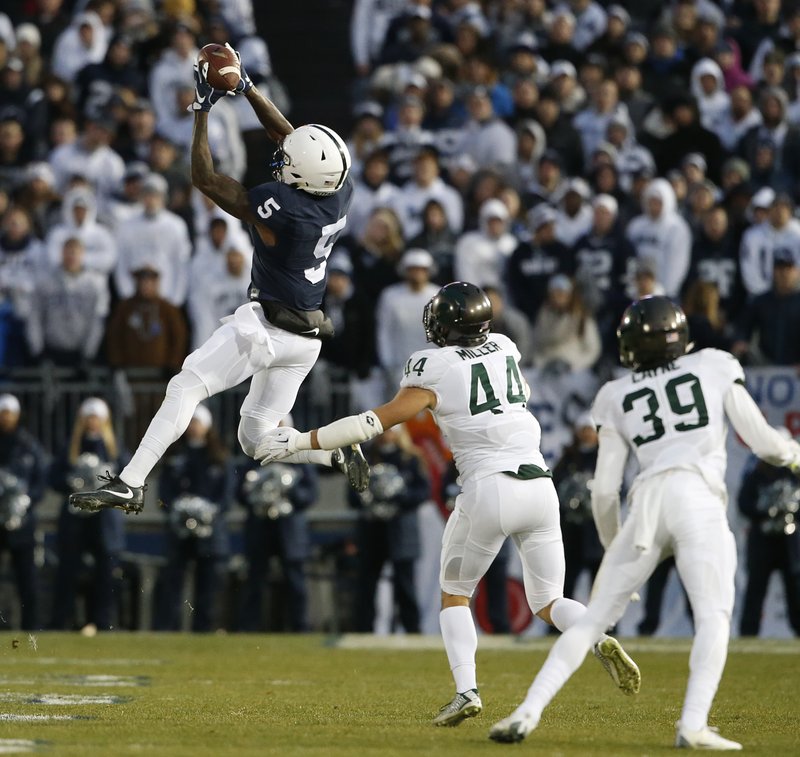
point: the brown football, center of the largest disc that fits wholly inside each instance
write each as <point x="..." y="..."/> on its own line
<point x="223" y="66"/>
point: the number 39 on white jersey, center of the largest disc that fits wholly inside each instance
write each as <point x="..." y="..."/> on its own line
<point x="481" y="405"/>
<point x="674" y="417"/>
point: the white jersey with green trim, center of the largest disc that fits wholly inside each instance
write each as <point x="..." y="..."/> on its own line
<point x="674" y="416"/>
<point x="481" y="405"/>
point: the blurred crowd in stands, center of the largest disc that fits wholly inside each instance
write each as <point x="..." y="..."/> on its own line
<point x="567" y="156"/>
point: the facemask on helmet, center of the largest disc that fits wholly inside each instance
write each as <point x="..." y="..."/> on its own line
<point x="652" y="333"/>
<point x="460" y="314"/>
<point x="313" y="158"/>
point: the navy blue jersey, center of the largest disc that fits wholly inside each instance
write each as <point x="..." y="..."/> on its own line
<point x="293" y="272"/>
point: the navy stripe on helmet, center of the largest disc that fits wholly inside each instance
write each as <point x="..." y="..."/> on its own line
<point x="335" y="141"/>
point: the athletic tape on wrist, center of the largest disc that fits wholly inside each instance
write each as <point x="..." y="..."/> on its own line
<point x="350" y="430"/>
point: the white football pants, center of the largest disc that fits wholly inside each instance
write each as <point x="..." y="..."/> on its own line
<point x="245" y="345"/>
<point x="489" y="510"/>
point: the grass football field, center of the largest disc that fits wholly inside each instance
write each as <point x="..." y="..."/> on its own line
<point x="241" y="695"/>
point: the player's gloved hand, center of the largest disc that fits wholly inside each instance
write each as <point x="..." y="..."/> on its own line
<point x="204" y="94"/>
<point x="245" y="82"/>
<point x="277" y="444"/>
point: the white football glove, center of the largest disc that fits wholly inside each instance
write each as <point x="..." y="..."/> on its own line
<point x="277" y="444"/>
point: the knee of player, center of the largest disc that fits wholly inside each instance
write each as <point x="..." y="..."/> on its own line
<point x="454" y="600"/>
<point x="247" y="439"/>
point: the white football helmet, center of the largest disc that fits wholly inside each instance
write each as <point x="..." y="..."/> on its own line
<point x="313" y="158"/>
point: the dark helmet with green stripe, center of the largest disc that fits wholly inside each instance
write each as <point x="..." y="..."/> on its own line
<point x="653" y="332"/>
<point x="459" y="313"/>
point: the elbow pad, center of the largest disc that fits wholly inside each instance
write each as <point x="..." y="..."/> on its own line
<point x="350" y="430"/>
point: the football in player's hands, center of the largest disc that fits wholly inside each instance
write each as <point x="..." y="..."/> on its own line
<point x="224" y="69"/>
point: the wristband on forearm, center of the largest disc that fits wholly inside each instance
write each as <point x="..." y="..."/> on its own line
<point x="350" y="430"/>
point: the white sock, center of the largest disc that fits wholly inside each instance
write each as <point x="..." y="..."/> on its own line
<point x="564" y="659"/>
<point x="706" y="663"/>
<point x="565" y="612"/>
<point x="315" y="456"/>
<point x="460" y="642"/>
<point x="184" y="392"/>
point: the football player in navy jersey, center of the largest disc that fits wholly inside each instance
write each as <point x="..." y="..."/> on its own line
<point x="275" y="337"/>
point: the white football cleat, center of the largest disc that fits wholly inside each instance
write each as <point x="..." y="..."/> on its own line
<point x="514" y="728"/>
<point x="622" y="669"/>
<point x="705" y="738"/>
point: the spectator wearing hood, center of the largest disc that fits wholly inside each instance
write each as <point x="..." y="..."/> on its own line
<point x="83" y="42"/>
<point x="573" y="212"/>
<point x="774" y="129"/>
<point x="482" y="255"/>
<point x="534" y="261"/>
<point x="439" y="240"/>
<point x="661" y="235"/>
<point x="531" y="144"/>
<point x="738" y="118"/>
<point x="630" y="157"/>
<point x="729" y="58"/>
<point x="28" y="50"/>
<point x="708" y="90"/>
<point x="778" y="233"/>
<point x="79" y="212"/>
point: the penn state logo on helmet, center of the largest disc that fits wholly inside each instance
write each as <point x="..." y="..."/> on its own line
<point x="313" y="158"/>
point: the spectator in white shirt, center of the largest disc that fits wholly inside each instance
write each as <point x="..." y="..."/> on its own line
<point x="574" y="212"/>
<point x="425" y="185"/>
<point x="91" y="157"/>
<point x="481" y="256"/>
<point x="371" y="190"/>
<point x="83" y="42"/>
<point x="68" y="310"/>
<point x="399" y="329"/>
<point x="663" y="236"/>
<point x="708" y="89"/>
<point x="156" y="238"/>
<point x="79" y="210"/>
<point x="592" y="122"/>
<point x="172" y="70"/>
<point x="219" y="296"/>
<point x="490" y="142"/>
<point x="778" y="231"/>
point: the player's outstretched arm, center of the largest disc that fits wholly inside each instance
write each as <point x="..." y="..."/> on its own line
<point x="612" y="454"/>
<point x="756" y="433"/>
<point x="353" y="429"/>
<point x="271" y="118"/>
<point x="228" y="193"/>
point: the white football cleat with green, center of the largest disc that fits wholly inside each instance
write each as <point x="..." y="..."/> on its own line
<point x="619" y="665"/>
<point x="461" y="707"/>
